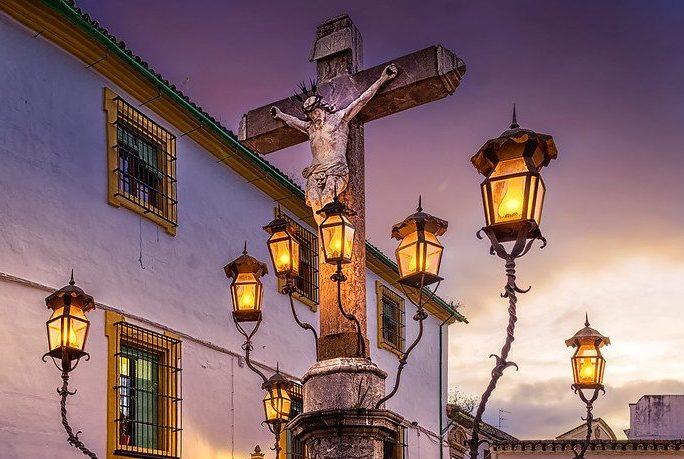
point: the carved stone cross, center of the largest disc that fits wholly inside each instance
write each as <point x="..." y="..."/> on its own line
<point x="421" y="77"/>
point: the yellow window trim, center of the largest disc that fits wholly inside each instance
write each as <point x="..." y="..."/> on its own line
<point x="380" y="289"/>
<point x="111" y="319"/>
<point x="115" y="197"/>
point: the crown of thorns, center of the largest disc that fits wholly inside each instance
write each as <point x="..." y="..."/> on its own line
<point x="304" y="93"/>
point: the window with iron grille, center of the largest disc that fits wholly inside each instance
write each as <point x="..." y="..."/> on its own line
<point x="394" y="446"/>
<point x="294" y="448"/>
<point x="142" y="163"/>
<point x="146" y="403"/>
<point x="391" y="320"/>
<point x="307" y="281"/>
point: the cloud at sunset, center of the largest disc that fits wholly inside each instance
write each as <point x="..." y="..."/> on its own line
<point x="614" y="101"/>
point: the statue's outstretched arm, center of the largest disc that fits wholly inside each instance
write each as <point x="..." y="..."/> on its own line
<point x="290" y="120"/>
<point x="356" y="106"/>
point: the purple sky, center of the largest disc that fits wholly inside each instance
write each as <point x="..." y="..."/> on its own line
<point x="605" y="79"/>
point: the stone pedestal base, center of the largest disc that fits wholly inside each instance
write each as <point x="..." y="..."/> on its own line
<point x="339" y="420"/>
<point x="345" y="434"/>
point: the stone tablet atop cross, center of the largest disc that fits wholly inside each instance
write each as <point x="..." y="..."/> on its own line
<point x="343" y="99"/>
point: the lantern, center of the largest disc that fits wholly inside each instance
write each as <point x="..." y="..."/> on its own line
<point x="67" y="327"/>
<point x="246" y="290"/>
<point x="513" y="191"/>
<point x="277" y="401"/>
<point x="419" y="254"/>
<point x="588" y="364"/>
<point x="284" y="247"/>
<point x="337" y="232"/>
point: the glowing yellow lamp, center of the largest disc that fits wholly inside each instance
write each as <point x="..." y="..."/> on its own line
<point x="277" y="401"/>
<point x="67" y="327"/>
<point x="337" y="232"/>
<point x="513" y="191"/>
<point x="588" y="364"/>
<point x="246" y="290"/>
<point x="419" y="254"/>
<point x="283" y="247"/>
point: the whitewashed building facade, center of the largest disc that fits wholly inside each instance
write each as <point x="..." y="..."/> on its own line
<point x="108" y="170"/>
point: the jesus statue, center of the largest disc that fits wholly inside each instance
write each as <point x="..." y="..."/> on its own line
<point x="328" y="132"/>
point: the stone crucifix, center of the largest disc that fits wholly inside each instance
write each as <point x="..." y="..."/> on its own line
<point x="336" y="138"/>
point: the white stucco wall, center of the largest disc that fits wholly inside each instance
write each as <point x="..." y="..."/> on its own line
<point x="657" y="417"/>
<point x="54" y="216"/>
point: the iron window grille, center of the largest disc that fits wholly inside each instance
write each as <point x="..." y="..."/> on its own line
<point x="394" y="447"/>
<point x="148" y="420"/>
<point x="306" y="283"/>
<point x="142" y="162"/>
<point x="391" y="320"/>
<point x="295" y="449"/>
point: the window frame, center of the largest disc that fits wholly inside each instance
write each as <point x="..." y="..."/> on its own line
<point x="286" y="440"/>
<point x="118" y="111"/>
<point x="136" y="337"/>
<point x="383" y="291"/>
<point x="312" y="242"/>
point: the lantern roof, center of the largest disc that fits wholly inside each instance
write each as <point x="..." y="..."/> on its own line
<point x="539" y="147"/>
<point x="335" y="207"/>
<point x="278" y="379"/>
<point x="429" y="223"/>
<point x="245" y="263"/>
<point x="85" y="301"/>
<point x="279" y="224"/>
<point x="587" y="334"/>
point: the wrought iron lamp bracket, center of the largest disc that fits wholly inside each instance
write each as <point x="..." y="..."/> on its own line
<point x="419" y="316"/>
<point x="275" y="429"/>
<point x="288" y="290"/>
<point x="589" y="419"/>
<point x="523" y="243"/>
<point x="339" y="277"/>
<point x="247" y="346"/>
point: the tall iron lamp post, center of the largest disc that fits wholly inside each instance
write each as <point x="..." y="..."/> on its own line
<point x="513" y="197"/>
<point x="419" y="257"/>
<point x="67" y="331"/>
<point x="246" y="293"/>
<point x="588" y="366"/>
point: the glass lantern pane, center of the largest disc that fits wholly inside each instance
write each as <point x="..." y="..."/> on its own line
<point x="281" y="246"/>
<point x="586" y="362"/>
<point x="407" y="254"/>
<point x="348" y="241"/>
<point x="433" y="254"/>
<point x="333" y="238"/>
<point x="295" y="256"/>
<point x="510" y="166"/>
<point x="541" y="191"/>
<point x="530" y="198"/>
<point x="54" y="327"/>
<point x="508" y="198"/>
<point x="245" y="292"/>
<point x="78" y="327"/>
<point x="277" y="404"/>
<point x="485" y="203"/>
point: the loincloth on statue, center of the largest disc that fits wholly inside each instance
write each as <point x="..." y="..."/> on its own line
<point x="319" y="173"/>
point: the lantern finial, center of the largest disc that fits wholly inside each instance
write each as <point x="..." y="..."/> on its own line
<point x="420" y="203"/>
<point x="586" y="321"/>
<point x="71" y="281"/>
<point x="244" y="251"/>
<point x="514" y="124"/>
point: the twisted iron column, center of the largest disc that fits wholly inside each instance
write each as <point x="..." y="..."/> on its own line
<point x="520" y="248"/>
<point x="72" y="438"/>
<point x="339" y="277"/>
<point x="275" y="429"/>
<point x="589" y="419"/>
<point x="288" y="290"/>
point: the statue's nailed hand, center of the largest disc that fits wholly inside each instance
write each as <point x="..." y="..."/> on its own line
<point x="275" y="112"/>
<point x="390" y="72"/>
